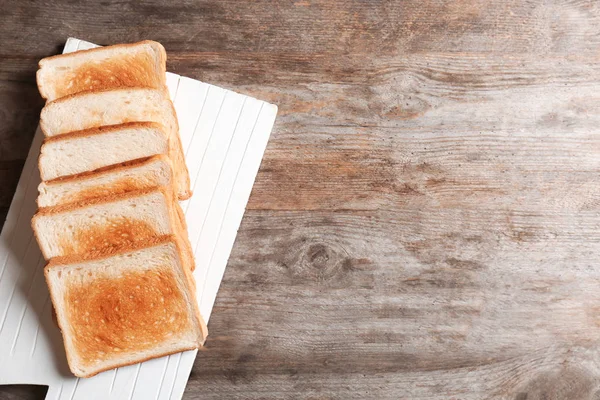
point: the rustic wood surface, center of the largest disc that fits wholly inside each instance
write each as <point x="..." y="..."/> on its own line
<point x="426" y="220"/>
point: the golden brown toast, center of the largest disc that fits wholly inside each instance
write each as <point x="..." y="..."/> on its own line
<point x="126" y="306"/>
<point x="115" y="179"/>
<point x="141" y="64"/>
<point x="114" y="221"/>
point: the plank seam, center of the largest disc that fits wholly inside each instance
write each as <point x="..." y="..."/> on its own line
<point x="12" y="294"/>
<point x="37" y="329"/>
<point x="212" y="195"/>
<point x="197" y="122"/>
<point x="206" y="148"/>
<point x="162" y="379"/>
<point x="112" y="382"/>
<point x="229" y="199"/>
<point x="175" y="379"/>
<point x="135" y="380"/>
<point x="74" y="388"/>
<point x="26" y="304"/>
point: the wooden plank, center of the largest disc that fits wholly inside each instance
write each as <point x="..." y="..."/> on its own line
<point x="372" y="168"/>
<point x="416" y="304"/>
<point x="318" y="32"/>
<point x="326" y="26"/>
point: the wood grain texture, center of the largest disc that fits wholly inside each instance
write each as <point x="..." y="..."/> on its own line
<point x="426" y="220"/>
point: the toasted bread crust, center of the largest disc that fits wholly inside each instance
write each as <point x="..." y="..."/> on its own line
<point x="185" y="190"/>
<point x="185" y="240"/>
<point x="110" y="169"/>
<point x="110" y="251"/>
<point x="123" y="71"/>
<point x="120" y="184"/>
<point x="100" y="131"/>
<point x="92" y="92"/>
<point x="37" y="239"/>
<point x="58" y="321"/>
<point x="85" y="93"/>
<point x="108" y="199"/>
<point x="97" y="49"/>
<point x="124" y="364"/>
<point x="106" y="129"/>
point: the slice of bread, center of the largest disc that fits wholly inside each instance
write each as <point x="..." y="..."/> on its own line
<point x="109" y="222"/>
<point x="116" y="179"/>
<point x="141" y="64"/>
<point x="125" y="307"/>
<point x="117" y="106"/>
<point x="95" y="148"/>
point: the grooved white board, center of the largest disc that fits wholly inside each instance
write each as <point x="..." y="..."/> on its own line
<point x="224" y="135"/>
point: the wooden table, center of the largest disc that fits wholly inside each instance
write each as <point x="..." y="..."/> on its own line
<point x="426" y="220"/>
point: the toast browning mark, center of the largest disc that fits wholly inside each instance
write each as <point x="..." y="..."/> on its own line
<point x="128" y="71"/>
<point x="116" y="315"/>
<point x="115" y="233"/>
<point x="120" y="186"/>
<point x="106" y="170"/>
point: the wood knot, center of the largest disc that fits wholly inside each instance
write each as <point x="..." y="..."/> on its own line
<point x="320" y="262"/>
<point x="318" y="255"/>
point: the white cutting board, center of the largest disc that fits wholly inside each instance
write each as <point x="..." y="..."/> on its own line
<point x="224" y="135"/>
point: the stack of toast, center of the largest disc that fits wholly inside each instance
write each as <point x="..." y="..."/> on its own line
<point x="109" y="223"/>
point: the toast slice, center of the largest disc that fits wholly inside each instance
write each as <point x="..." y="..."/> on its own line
<point x="141" y="64"/>
<point x="118" y="106"/>
<point x="109" y="222"/>
<point x="95" y="148"/>
<point x="125" y="307"/>
<point x="116" y="179"/>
